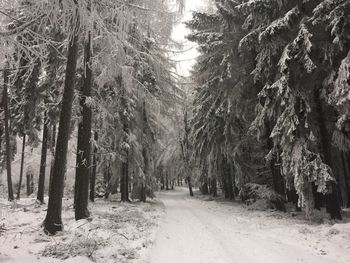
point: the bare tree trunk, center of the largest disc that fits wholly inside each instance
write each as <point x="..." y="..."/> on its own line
<point x="93" y="174"/>
<point x="22" y="165"/>
<point x="213" y="187"/>
<point x="124" y="186"/>
<point x="30" y="182"/>
<point x="53" y="220"/>
<point x="83" y="169"/>
<point x="185" y="153"/>
<point x="7" y="136"/>
<point x="41" y="185"/>
<point x="52" y="146"/>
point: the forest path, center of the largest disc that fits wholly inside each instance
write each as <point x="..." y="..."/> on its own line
<point x="195" y="230"/>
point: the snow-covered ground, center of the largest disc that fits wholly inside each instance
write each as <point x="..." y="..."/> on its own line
<point x="206" y="231"/>
<point x="192" y="230"/>
<point x="118" y="233"/>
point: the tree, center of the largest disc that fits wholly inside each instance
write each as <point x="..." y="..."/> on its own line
<point x="7" y="133"/>
<point x="40" y="196"/>
<point x="53" y="220"/>
<point x="84" y="136"/>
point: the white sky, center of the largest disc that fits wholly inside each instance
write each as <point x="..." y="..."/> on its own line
<point x="187" y="58"/>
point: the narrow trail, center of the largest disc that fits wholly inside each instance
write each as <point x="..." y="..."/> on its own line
<point x="200" y="231"/>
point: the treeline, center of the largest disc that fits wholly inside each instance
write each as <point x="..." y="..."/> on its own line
<point x="97" y="69"/>
<point x="270" y="113"/>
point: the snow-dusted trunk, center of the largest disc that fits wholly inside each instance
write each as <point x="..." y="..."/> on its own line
<point x="22" y="166"/>
<point x="83" y="169"/>
<point x="53" y="220"/>
<point x="41" y="186"/>
<point x="7" y="135"/>
<point x="93" y="172"/>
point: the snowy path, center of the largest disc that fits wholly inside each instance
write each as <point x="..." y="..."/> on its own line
<point x="200" y="231"/>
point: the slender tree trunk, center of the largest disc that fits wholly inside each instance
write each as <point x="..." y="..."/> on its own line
<point x="30" y="182"/>
<point x="93" y="174"/>
<point x="162" y="181"/>
<point x="167" y="181"/>
<point x="22" y="165"/>
<point x="83" y="169"/>
<point x="53" y="220"/>
<point x="213" y="187"/>
<point x="189" y="185"/>
<point x="52" y="148"/>
<point x="205" y="186"/>
<point x="346" y="178"/>
<point x="185" y="152"/>
<point x="107" y="178"/>
<point x="125" y="162"/>
<point x="124" y="184"/>
<point x="41" y="186"/>
<point x="7" y="135"/>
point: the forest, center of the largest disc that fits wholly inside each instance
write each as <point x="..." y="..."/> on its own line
<point x="110" y="153"/>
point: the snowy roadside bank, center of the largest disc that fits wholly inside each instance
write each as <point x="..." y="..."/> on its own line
<point x="118" y="232"/>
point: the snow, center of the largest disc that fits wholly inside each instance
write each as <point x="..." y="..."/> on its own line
<point x="118" y="232"/>
<point x="200" y="229"/>
<point x="195" y="230"/>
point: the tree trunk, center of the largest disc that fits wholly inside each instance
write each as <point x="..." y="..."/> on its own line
<point x="346" y="178"/>
<point x="125" y="162"/>
<point x="52" y="149"/>
<point x="124" y="184"/>
<point x="189" y="185"/>
<point x="213" y="187"/>
<point x="333" y="203"/>
<point x="30" y="182"/>
<point x="93" y="174"/>
<point x="167" y="181"/>
<point x="22" y="166"/>
<point x="107" y="179"/>
<point x="41" y="187"/>
<point x="7" y="135"/>
<point x="83" y="169"/>
<point x="204" y="186"/>
<point x="227" y="179"/>
<point x="53" y="220"/>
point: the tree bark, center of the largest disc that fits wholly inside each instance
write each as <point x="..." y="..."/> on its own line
<point x="30" y="182"/>
<point x="22" y="166"/>
<point x="41" y="186"/>
<point x="213" y="187"/>
<point x="125" y="162"/>
<point x="124" y="184"/>
<point x="346" y="178"/>
<point x="52" y="146"/>
<point x="93" y="174"/>
<point x="83" y="169"/>
<point x="53" y="220"/>
<point x="7" y="135"/>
